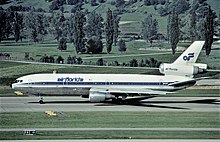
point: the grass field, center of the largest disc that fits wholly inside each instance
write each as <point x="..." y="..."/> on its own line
<point x="111" y="135"/>
<point x="112" y="120"/>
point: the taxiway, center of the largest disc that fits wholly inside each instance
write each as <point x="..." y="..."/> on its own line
<point x="69" y="104"/>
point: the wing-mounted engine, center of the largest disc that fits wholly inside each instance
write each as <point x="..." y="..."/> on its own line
<point x="182" y="70"/>
<point x="99" y="95"/>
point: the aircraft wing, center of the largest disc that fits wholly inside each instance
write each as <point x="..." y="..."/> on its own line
<point x="129" y="91"/>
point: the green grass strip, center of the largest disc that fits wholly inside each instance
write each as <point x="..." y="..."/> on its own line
<point x="112" y="135"/>
<point x="111" y="120"/>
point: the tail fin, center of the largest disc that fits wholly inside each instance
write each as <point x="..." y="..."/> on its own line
<point x="191" y="54"/>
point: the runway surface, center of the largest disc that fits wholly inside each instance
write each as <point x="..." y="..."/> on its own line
<point x="69" y="104"/>
<point x="111" y="129"/>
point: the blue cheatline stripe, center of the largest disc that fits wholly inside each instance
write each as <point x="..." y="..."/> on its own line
<point x="98" y="83"/>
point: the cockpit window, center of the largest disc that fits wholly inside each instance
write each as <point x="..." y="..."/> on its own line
<point x="19" y="81"/>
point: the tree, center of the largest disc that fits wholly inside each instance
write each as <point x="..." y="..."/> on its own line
<point x="60" y="60"/>
<point x="94" y="45"/>
<point x="116" y="32"/>
<point x="100" y="62"/>
<point x="18" y="26"/>
<point x="149" y="28"/>
<point x="9" y="23"/>
<point x="62" y="44"/>
<point x="119" y="4"/>
<point x="121" y="46"/>
<point x="57" y="25"/>
<point x="94" y="25"/>
<point x="209" y="30"/>
<point x="174" y="30"/>
<point x="34" y="26"/>
<point x="3" y="18"/>
<point x="218" y="26"/>
<point x="168" y="27"/>
<point x="152" y="63"/>
<point x="192" y="29"/>
<point x="3" y="1"/>
<point x="93" y="2"/>
<point x="79" y="22"/>
<point x="181" y="6"/>
<point x="134" y="63"/>
<point x="109" y="31"/>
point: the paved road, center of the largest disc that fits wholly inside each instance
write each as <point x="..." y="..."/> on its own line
<point x="69" y="104"/>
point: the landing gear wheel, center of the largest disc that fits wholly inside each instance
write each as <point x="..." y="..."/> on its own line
<point x="41" y="100"/>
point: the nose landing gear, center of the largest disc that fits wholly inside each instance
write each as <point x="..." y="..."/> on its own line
<point x="41" y="101"/>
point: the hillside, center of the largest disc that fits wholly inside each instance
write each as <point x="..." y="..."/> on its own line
<point x="130" y="19"/>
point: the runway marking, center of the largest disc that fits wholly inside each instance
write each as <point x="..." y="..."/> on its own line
<point x="111" y="129"/>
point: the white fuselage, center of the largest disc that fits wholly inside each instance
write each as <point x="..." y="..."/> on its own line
<point x="80" y="84"/>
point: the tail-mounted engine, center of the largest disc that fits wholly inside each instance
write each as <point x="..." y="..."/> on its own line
<point x="182" y="70"/>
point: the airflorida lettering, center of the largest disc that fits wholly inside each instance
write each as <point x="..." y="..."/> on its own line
<point x="70" y="79"/>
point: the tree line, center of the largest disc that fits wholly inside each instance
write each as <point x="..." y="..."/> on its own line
<point x="89" y="32"/>
<point x="84" y="31"/>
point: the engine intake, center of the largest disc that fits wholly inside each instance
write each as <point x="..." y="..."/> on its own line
<point x="95" y="96"/>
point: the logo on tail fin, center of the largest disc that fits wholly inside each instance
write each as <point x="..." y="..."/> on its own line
<point x="187" y="58"/>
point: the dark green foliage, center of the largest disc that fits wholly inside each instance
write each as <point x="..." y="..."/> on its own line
<point x="218" y="26"/>
<point x="58" y="25"/>
<point x="162" y="2"/>
<point x="56" y="4"/>
<point x="121" y="46"/>
<point x="35" y="26"/>
<point x="79" y="22"/>
<point x="149" y="28"/>
<point x="94" y="45"/>
<point x="62" y="44"/>
<point x="133" y="63"/>
<point x="74" y="60"/>
<point x="119" y="3"/>
<point x="74" y="2"/>
<point x="152" y="63"/>
<point x="101" y="1"/>
<point x="209" y="30"/>
<point x="18" y="26"/>
<point x="94" y="25"/>
<point x="93" y="2"/>
<point x="3" y="1"/>
<point x="47" y="59"/>
<point x="5" y="55"/>
<point x="109" y="30"/>
<point x="3" y="18"/>
<point x="116" y="20"/>
<point x="71" y="60"/>
<point x="192" y="29"/>
<point x="60" y="60"/>
<point x="100" y="62"/>
<point x="151" y="2"/>
<point x="181" y="6"/>
<point x="26" y="55"/>
<point x="174" y="31"/>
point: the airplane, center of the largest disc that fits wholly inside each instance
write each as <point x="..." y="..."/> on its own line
<point x="117" y="87"/>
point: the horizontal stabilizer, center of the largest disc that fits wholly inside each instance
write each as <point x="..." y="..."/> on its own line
<point x="182" y="83"/>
